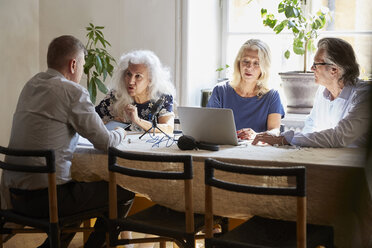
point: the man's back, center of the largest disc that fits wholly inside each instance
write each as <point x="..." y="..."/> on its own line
<point x="49" y="112"/>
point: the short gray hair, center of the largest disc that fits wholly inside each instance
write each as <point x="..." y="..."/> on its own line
<point x="341" y="53"/>
<point x="62" y="49"/>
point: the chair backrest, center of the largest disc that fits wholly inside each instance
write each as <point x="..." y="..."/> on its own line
<point x="186" y="174"/>
<point x="299" y="190"/>
<point x="48" y="168"/>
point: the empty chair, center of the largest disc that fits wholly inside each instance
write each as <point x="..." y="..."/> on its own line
<point x="55" y="224"/>
<point x="170" y="225"/>
<point x="259" y="231"/>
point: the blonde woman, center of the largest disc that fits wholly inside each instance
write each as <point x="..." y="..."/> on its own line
<point x="138" y="82"/>
<point x="256" y="108"/>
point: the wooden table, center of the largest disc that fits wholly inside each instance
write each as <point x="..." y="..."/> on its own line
<point x="337" y="191"/>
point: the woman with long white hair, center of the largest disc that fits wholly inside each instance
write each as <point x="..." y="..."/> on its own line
<point x="138" y="82"/>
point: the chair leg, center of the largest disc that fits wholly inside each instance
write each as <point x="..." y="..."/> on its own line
<point x="1" y="241"/>
<point x="86" y="224"/>
<point x="190" y="242"/>
<point x="107" y="240"/>
<point x="163" y="244"/>
<point x="224" y="225"/>
<point x="54" y="235"/>
<point x="184" y="243"/>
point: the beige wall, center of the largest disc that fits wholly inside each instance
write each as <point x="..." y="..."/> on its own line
<point x="183" y="33"/>
<point x="129" y="25"/>
<point x="27" y="27"/>
<point x="19" y="45"/>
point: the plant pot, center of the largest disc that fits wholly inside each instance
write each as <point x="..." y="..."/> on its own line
<point x="205" y="95"/>
<point x="299" y="89"/>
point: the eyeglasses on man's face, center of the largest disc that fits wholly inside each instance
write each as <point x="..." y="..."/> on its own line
<point x="316" y="64"/>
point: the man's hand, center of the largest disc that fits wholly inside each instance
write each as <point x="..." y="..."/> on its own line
<point x="270" y="139"/>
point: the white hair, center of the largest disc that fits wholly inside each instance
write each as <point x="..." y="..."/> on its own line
<point x="160" y="79"/>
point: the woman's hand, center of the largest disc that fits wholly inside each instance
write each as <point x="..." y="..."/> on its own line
<point x="246" y="134"/>
<point x="165" y="123"/>
<point x="131" y="111"/>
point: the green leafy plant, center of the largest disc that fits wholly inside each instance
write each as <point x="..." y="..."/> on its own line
<point x="222" y="68"/>
<point x="98" y="62"/>
<point x="304" y="28"/>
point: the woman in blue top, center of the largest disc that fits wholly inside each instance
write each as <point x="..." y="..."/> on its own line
<point x="138" y="82"/>
<point x="256" y="108"/>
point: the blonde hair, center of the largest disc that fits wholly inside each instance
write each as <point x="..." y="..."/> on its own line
<point x="160" y="80"/>
<point x="264" y="56"/>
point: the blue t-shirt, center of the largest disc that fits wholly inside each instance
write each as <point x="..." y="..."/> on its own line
<point x="249" y="112"/>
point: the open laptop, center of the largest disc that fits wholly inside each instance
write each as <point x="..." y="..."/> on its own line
<point x="210" y="125"/>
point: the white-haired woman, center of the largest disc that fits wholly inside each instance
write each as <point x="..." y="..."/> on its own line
<point x="138" y="82"/>
<point x="256" y="108"/>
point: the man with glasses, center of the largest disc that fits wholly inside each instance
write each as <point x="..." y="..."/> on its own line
<point x="341" y="112"/>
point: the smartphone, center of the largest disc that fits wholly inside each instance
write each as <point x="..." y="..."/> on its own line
<point x="111" y="125"/>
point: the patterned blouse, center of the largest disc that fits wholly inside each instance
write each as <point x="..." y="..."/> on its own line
<point x="105" y="109"/>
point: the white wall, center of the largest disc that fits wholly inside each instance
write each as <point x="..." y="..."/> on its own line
<point x="19" y="40"/>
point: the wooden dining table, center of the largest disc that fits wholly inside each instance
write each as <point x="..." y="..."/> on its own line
<point x="338" y="182"/>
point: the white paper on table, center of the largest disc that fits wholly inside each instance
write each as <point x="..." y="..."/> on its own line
<point x="84" y="142"/>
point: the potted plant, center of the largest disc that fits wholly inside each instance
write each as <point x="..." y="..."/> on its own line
<point x="206" y="93"/>
<point x="298" y="86"/>
<point x="98" y="62"/>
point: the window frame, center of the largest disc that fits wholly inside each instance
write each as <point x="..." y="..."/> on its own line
<point x="225" y="34"/>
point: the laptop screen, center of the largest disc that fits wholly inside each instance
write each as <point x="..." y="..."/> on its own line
<point x="210" y="125"/>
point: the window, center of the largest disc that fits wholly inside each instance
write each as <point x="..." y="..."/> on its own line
<point x="350" y="21"/>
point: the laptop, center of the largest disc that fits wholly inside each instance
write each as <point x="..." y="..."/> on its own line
<point x="209" y="125"/>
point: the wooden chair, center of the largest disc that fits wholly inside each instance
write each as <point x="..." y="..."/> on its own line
<point x="170" y="225"/>
<point x="52" y="226"/>
<point x="259" y="231"/>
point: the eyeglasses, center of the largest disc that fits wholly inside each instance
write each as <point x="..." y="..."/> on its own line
<point x="246" y="63"/>
<point x="315" y="64"/>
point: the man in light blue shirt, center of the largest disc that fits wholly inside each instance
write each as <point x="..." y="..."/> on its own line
<point x="341" y="112"/>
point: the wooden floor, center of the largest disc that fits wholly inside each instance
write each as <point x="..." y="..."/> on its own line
<point x="34" y="240"/>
